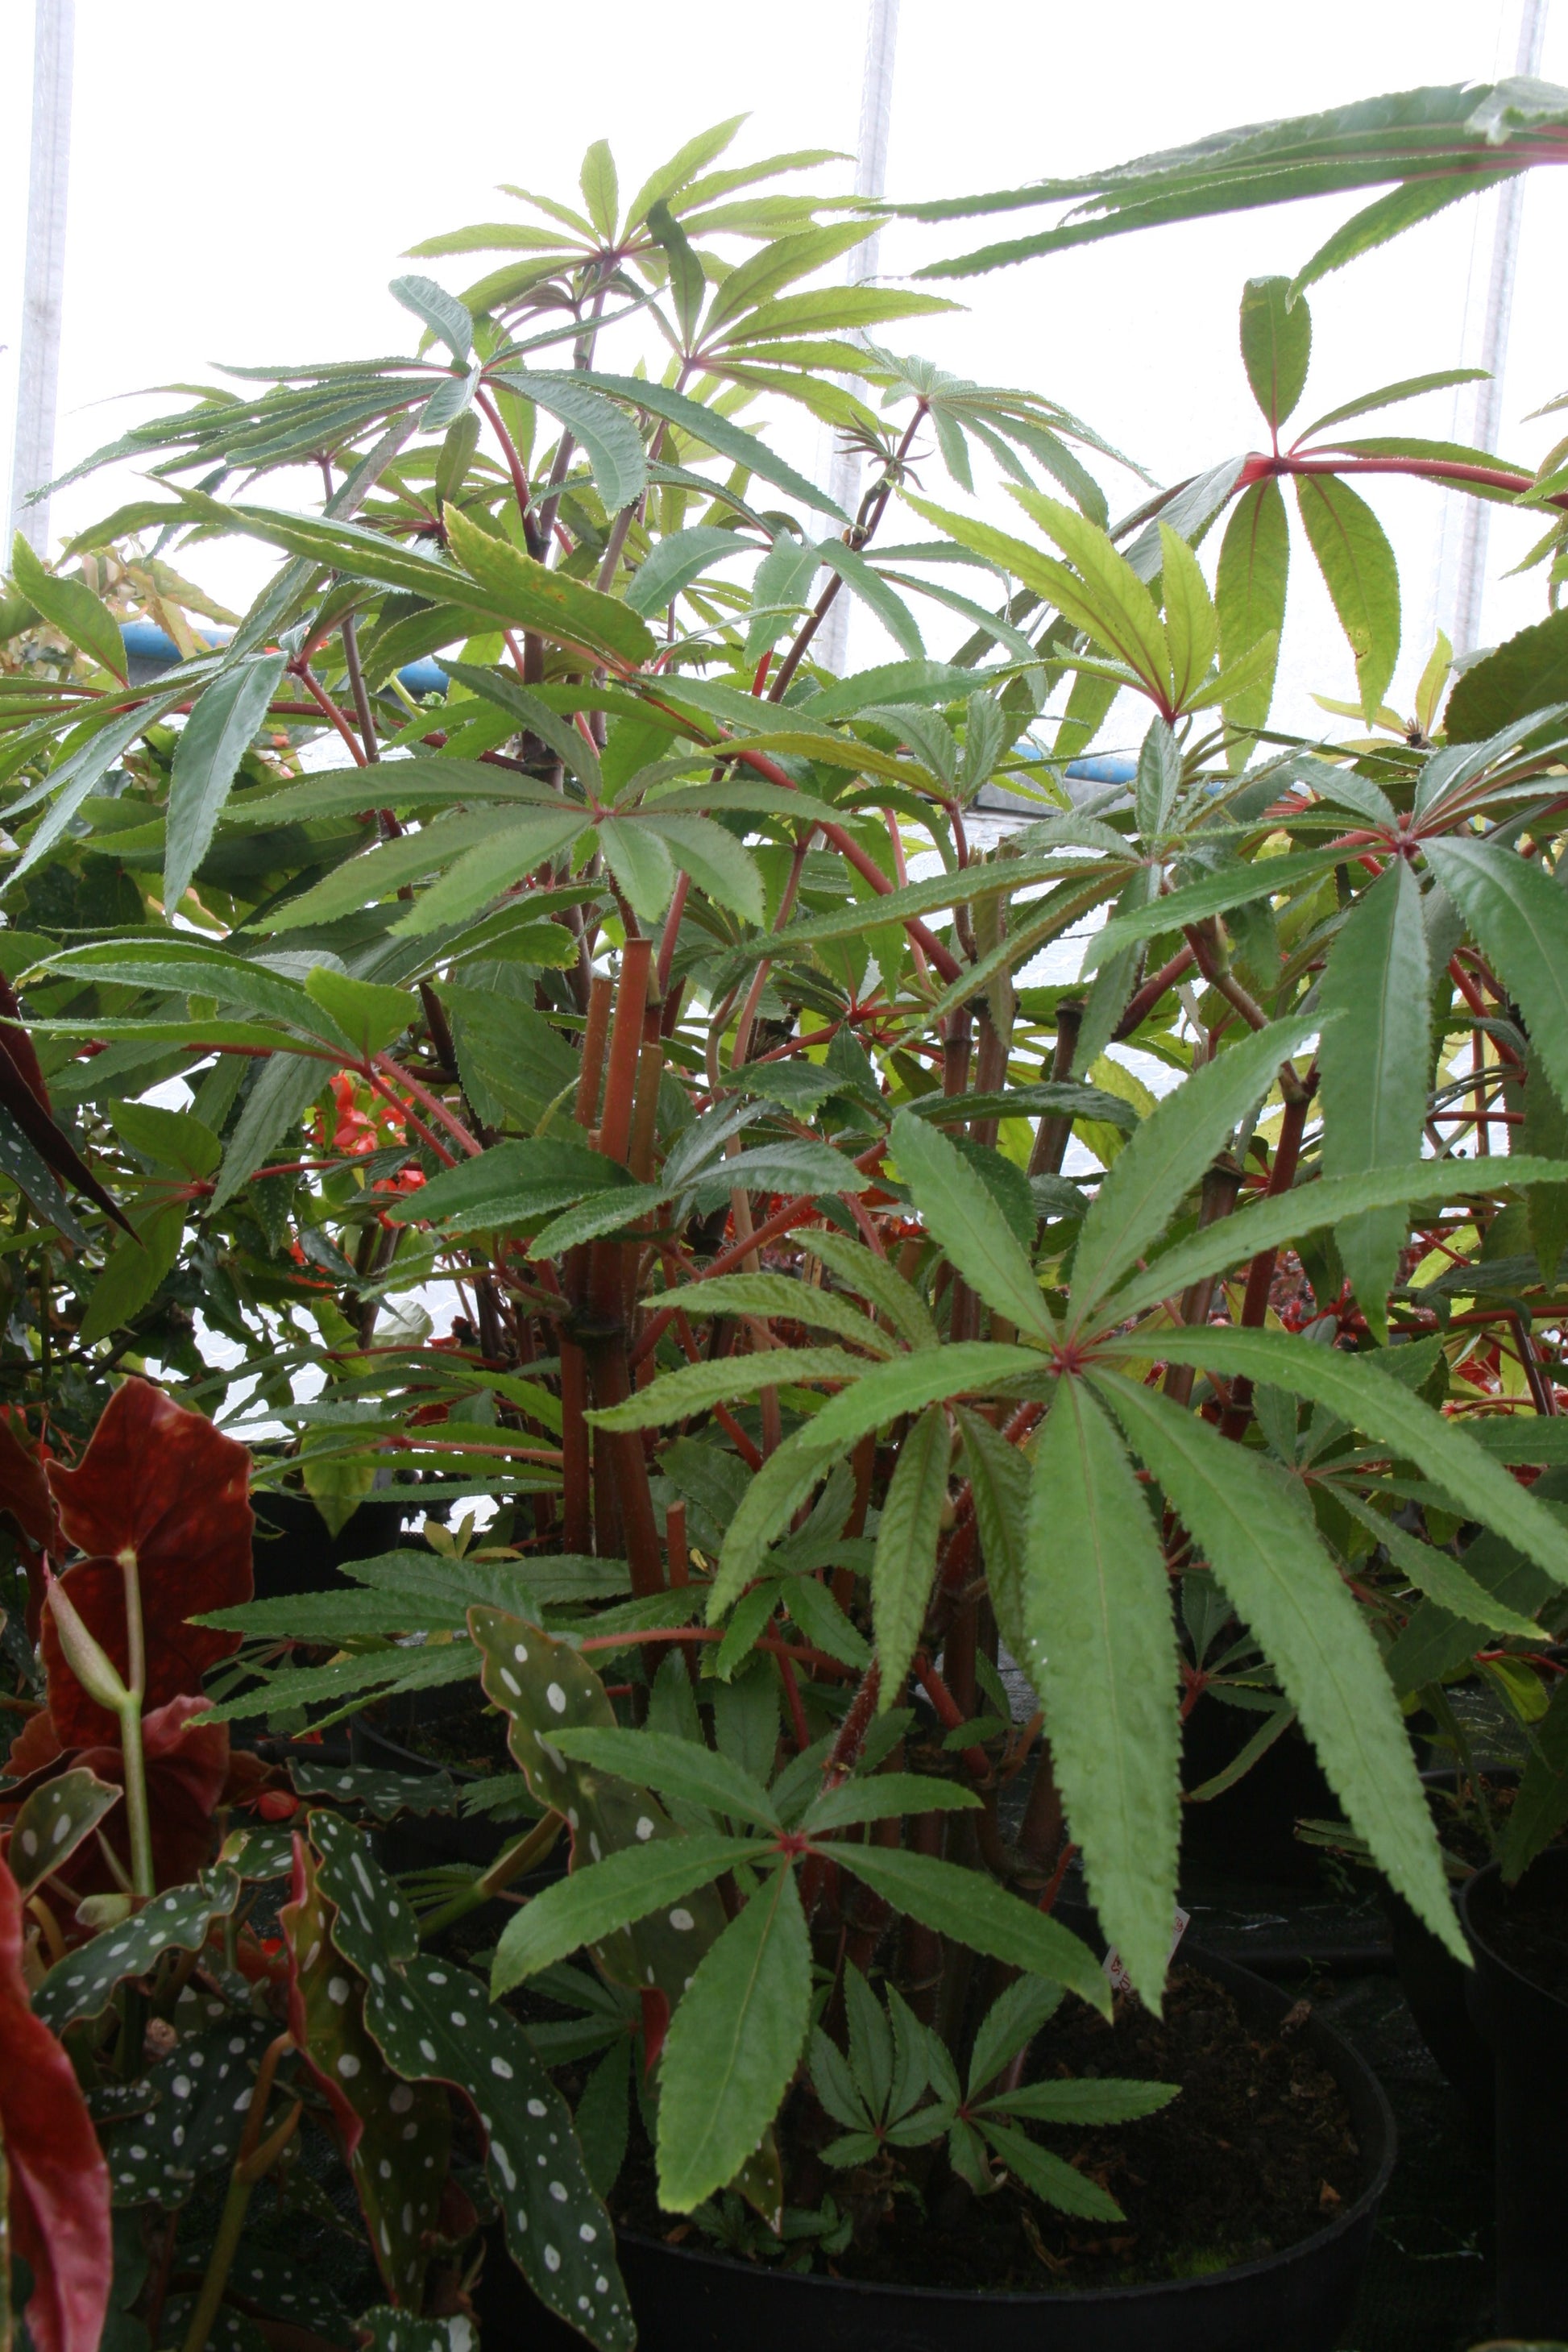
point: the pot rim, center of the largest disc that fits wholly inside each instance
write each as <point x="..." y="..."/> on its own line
<point x="1482" y="1883"/>
<point x="1384" y="2138"/>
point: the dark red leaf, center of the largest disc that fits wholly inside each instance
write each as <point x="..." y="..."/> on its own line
<point x="24" y="1495"/>
<point x="164" y="1487"/>
<point x="25" y="1097"/>
<point x="187" y="1776"/>
<point x="58" y="2180"/>
<point x="19" y="1044"/>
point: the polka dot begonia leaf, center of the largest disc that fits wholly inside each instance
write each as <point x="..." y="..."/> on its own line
<point x="199" y="2098"/>
<point x="380" y="1794"/>
<point x="51" y="1823"/>
<point x="434" y="2023"/>
<point x="395" y="2134"/>
<point x="83" y="1983"/>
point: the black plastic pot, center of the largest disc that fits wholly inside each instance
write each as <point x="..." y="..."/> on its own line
<point x="687" y="2299"/>
<point x="1437" y="1987"/>
<point x="294" y="1550"/>
<point x="1526" y="2025"/>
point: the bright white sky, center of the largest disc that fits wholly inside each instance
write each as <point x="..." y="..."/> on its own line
<point x="245" y="195"/>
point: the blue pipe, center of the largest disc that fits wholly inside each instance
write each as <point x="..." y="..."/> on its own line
<point x="153" y="648"/>
<point x="145" y="643"/>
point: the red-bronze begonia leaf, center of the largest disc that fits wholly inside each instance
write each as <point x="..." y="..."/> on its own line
<point x="164" y="1487"/>
<point x="58" y="2181"/>
<point x="25" y="1496"/>
<point x="187" y="1778"/>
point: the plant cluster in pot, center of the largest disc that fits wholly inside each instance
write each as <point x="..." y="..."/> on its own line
<point x="660" y="995"/>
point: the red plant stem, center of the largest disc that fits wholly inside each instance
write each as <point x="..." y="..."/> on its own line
<point x="671" y="931"/>
<point x="576" y="1471"/>
<point x="601" y="993"/>
<point x="432" y="1103"/>
<point x="802" y="1210"/>
<point x="330" y="711"/>
<point x="793" y="1700"/>
<point x="626" y="1045"/>
<point x="484" y="401"/>
<point x="1260" y="1275"/>
<point x="411" y="1119"/>
<point x="976" y="1759"/>
<point x="1053" y="1887"/>
<point x="1148" y="996"/>
<point x="856" y="536"/>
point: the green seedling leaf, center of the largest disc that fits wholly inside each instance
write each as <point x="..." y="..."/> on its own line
<point x="733" y="2045"/>
<point x="975" y="1912"/>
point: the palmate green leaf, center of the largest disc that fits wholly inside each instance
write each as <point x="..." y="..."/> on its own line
<point x="716" y="433"/>
<point x="215" y="738"/>
<point x="697" y="1388"/>
<point x="515" y="1183"/>
<point x="1361" y="574"/>
<point x="189" y="966"/>
<point x="881" y="1796"/>
<point x="69" y="606"/>
<point x="282" y="1093"/>
<point x="959" y="1211"/>
<point x="419" y="784"/>
<point x="1102" y="1655"/>
<point x="1519" y="920"/>
<point x="1309" y="1207"/>
<point x="1192" y="626"/>
<point x="682" y="1769"/>
<point x="1464" y="129"/>
<point x="675" y="562"/>
<point x="875" y="1280"/>
<point x="1374" y="1060"/>
<point x="1249" y="596"/>
<point x="607" y="436"/>
<point x="442" y="312"/>
<point x="1050" y="2178"/>
<point x="1276" y="346"/>
<point x="787" y="1477"/>
<point x="923" y="898"/>
<point x="378" y="872"/>
<point x="80" y="772"/>
<point x="517" y="844"/>
<point x="1544" y="1134"/>
<point x="908" y="1535"/>
<point x="1435" y="1573"/>
<point x="977" y="1913"/>
<point x="626" y="1886"/>
<point x="1215" y="894"/>
<point x="1390" y="1416"/>
<point x="733" y="2044"/>
<point x="368" y="1013"/>
<point x="1249" y="1522"/>
<point x="535" y="598"/>
<point x="782" y="1295"/>
<point x="641" y="864"/>
<point x="1115" y="589"/>
<point x="1168" y="1153"/>
<point x="863" y="580"/>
